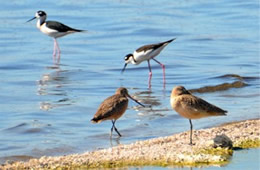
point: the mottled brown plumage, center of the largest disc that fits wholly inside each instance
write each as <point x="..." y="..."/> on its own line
<point x="113" y="107"/>
<point x="192" y="107"/>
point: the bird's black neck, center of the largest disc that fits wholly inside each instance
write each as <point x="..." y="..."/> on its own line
<point x="42" y="21"/>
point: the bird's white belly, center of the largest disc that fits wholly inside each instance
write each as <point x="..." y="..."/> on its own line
<point x="141" y="56"/>
<point x="145" y="55"/>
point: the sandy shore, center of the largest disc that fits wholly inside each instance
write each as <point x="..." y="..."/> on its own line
<point x="164" y="151"/>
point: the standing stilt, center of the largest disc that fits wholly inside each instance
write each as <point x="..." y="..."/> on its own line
<point x="53" y="29"/>
<point x="146" y="53"/>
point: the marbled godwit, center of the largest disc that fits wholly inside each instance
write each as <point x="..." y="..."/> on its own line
<point x="113" y="107"/>
<point x="145" y="53"/>
<point x="192" y="107"/>
<point x="53" y="29"/>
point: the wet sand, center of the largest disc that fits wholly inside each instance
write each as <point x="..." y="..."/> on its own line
<point x="164" y="151"/>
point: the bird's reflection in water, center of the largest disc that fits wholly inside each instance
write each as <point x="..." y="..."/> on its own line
<point x="52" y="86"/>
<point x="153" y="106"/>
<point x="114" y="141"/>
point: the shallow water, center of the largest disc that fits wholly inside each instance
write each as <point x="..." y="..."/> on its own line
<point x="46" y="110"/>
<point x="243" y="159"/>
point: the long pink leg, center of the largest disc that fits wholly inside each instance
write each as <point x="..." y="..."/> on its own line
<point x="58" y="50"/>
<point x="163" y="67"/>
<point x="54" y="51"/>
<point x="150" y="74"/>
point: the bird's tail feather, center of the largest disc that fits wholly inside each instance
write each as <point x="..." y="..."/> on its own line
<point x="95" y="120"/>
<point x="220" y="113"/>
<point x="169" y="41"/>
<point x="77" y="30"/>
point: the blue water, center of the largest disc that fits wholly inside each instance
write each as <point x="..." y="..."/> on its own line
<point x="46" y="110"/>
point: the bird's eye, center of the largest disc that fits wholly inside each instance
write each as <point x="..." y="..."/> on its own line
<point x="128" y="56"/>
<point x="41" y="13"/>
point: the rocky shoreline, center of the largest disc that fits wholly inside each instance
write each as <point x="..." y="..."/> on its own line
<point x="164" y="151"/>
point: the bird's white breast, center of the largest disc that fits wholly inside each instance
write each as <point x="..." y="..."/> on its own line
<point x="141" y="56"/>
<point x="146" y="55"/>
<point x="173" y="104"/>
<point x="50" y="32"/>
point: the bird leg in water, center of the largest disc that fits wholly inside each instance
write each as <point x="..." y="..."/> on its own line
<point x="112" y="129"/>
<point x="58" y="51"/>
<point x="150" y="74"/>
<point x="117" y="131"/>
<point x="163" y="67"/>
<point x="54" y="51"/>
<point x="113" y="126"/>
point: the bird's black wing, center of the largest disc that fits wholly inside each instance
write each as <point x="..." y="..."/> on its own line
<point x="60" y="27"/>
<point x="153" y="46"/>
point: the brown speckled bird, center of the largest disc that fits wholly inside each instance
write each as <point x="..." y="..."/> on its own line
<point x="192" y="107"/>
<point x="113" y="107"/>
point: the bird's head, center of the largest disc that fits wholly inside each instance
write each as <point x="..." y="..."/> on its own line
<point x="40" y="15"/>
<point x="129" y="58"/>
<point x="124" y="92"/>
<point x="179" y="90"/>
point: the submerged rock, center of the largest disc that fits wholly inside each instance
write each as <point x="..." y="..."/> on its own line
<point x="220" y="87"/>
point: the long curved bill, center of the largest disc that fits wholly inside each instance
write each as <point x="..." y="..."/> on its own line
<point x="124" y="68"/>
<point x="136" y="101"/>
<point x="31" y="19"/>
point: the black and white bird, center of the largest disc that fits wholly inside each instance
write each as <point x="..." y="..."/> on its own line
<point x="146" y="53"/>
<point x="53" y="29"/>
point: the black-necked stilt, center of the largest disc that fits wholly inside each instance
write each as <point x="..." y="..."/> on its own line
<point x="145" y="53"/>
<point x="113" y="108"/>
<point x="53" y="29"/>
<point x="192" y="107"/>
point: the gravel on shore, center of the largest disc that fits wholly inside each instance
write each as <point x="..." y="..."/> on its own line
<point x="163" y="151"/>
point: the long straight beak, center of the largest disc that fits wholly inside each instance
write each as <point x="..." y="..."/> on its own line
<point x="124" y="68"/>
<point x="135" y="100"/>
<point x="31" y="19"/>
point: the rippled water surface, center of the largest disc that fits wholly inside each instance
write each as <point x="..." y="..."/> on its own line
<point x="46" y="110"/>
